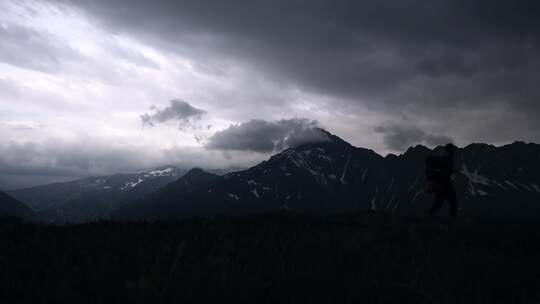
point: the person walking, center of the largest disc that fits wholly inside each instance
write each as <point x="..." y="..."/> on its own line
<point x="439" y="171"/>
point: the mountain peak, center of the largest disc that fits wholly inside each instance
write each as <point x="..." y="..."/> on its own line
<point x="326" y="139"/>
<point x="165" y="167"/>
<point x="195" y="170"/>
<point x="198" y="173"/>
<point x="418" y="149"/>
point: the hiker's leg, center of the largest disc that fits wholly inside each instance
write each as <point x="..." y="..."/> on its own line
<point x="452" y="201"/>
<point x="439" y="198"/>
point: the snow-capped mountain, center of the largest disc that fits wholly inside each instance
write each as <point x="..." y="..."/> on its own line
<point x="318" y="176"/>
<point x="94" y="197"/>
<point x="335" y="176"/>
<point x="328" y="176"/>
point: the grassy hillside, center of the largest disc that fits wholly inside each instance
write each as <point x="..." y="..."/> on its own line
<point x="283" y="258"/>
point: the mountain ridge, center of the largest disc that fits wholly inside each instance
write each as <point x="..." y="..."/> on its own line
<point x="93" y="197"/>
<point x="334" y="176"/>
<point x="327" y="176"/>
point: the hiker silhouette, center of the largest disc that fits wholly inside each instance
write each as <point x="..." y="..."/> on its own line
<point x="439" y="170"/>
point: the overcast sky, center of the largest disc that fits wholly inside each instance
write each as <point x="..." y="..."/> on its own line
<point x="97" y="86"/>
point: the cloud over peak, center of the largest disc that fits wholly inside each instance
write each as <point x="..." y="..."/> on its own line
<point x="263" y="136"/>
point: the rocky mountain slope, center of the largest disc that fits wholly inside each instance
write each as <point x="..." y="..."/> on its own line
<point x="165" y="200"/>
<point x="334" y="176"/>
<point x="328" y="176"/>
<point x="94" y="197"/>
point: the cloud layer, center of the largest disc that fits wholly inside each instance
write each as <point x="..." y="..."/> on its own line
<point x="432" y="60"/>
<point x="363" y="49"/>
<point x="399" y="137"/>
<point x="32" y="163"/>
<point x="416" y="71"/>
<point x="30" y="49"/>
<point x="179" y="111"/>
<point x="266" y="136"/>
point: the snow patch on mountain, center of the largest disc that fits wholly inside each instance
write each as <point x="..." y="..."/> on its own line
<point x="474" y="177"/>
<point x="131" y="184"/>
<point x="364" y="174"/>
<point x="342" y="179"/>
<point x="511" y="184"/>
<point x="374" y="199"/>
<point x="499" y="185"/>
<point x="162" y="172"/>
<point x="525" y="186"/>
<point x="416" y="196"/>
<point x="391" y="184"/>
<point x="481" y="192"/>
<point x="390" y="201"/>
<point x="233" y="196"/>
<point x="296" y="158"/>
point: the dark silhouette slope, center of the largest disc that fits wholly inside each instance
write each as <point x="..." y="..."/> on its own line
<point x="281" y="258"/>
<point x="94" y="197"/>
<point x="10" y="207"/>
<point x="174" y="196"/>
<point x="492" y="181"/>
<point x="328" y="176"/>
<point x="334" y="176"/>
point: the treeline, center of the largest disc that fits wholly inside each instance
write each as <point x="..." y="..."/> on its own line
<point x="272" y="258"/>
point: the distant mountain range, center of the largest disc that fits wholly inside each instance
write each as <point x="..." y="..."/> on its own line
<point x="321" y="176"/>
<point x="165" y="202"/>
<point x="334" y="176"/>
<point x="93" y="197"/>
<point x="329" y="176"/>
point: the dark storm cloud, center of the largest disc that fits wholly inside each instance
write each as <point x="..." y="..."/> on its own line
<point x="178" y="110"/>
<point x="400" y="137"/>
<point x="359" y="49"/>
<point x="266" y="136"/>
<point x="432" y="59"/>
<point x="429" y="58"/>
<point x="27" y="48"/>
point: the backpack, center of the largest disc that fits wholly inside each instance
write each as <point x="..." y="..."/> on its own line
<point x="436" y="172"/>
